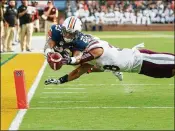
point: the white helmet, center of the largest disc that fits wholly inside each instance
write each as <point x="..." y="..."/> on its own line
<point x="72" y="25"/>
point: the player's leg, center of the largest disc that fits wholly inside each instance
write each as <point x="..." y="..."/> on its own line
<point x="119" y="75"/>
<point x="46" y="29"/>
<point x="7" y="34"/>
<point x="157" y="65"/>
<point x="22" y="37"/>
<point x="10" y="40"/>
<point x="29" y="36"/>
<point x="71" y="76"/>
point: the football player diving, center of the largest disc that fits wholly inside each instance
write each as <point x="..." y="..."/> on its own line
<point x="104" y="56"/>
<point x="68" y="40"/>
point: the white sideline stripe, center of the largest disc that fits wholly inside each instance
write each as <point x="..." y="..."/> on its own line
<point x="47" y="97"/>
<point x="57" y="86"/>
<point x="104" y="107"/>
<point x="65" y="88"/>
<point x="61" y="101"/>
<point x="20" y="115"/>
<point x="62" y="92"/>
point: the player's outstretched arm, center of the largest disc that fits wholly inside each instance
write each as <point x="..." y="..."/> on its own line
<point x="71" y="76"/>
<point x="79" y="71"/>
<point x="87" y="56"/>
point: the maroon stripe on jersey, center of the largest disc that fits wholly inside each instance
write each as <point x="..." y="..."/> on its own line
<point x="152" y="52"/>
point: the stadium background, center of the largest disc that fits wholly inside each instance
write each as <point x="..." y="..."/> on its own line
<point x="111" y="12"/>
<point x="95" y="101"/>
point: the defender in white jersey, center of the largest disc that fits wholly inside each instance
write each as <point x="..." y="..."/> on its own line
<point x="103" y="55"/>
<point x="125" y="60"/>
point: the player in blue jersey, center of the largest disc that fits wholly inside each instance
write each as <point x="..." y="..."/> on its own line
<point x="68" y="40"/>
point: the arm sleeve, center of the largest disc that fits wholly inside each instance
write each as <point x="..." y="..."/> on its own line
<point x="87" y="56"/>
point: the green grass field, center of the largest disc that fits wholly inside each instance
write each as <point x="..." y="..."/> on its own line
<point x="100" y="101"/>
<point x="6" y="57"/>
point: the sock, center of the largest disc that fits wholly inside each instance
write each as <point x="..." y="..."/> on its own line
<point x="64" y="79"/>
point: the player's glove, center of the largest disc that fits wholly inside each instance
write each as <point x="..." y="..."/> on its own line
<point x="66" y="61"/>
<point x="52" y="81"/>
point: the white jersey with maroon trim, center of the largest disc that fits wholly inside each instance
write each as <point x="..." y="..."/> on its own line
<point x="114" y="58"/>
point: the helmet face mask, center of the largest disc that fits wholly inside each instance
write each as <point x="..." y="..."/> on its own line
<point x="71" y="27"/>
<point x="68" y="35"/>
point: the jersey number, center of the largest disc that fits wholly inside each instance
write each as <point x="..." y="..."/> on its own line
<point x="111" y="67"/>
<point x="57" y="28"/>
<point x="84" y="39"/>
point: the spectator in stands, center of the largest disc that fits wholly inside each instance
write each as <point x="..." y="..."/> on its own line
<point x="100" y="25"/>
<point x="50" y="15"/>
<point x="36" y="17"/>
<point x="3" y="5"/>
<point x="125" y="12"/>
<point x="146" y="17"/>
<point x="169" y="15"/>
<point x="139" y="16"/>
<point x="117" y="15"/>
<point x="153" y="13"/>
<point x="10" y="20"/>
<point x="2" y="26"/>
<point x="25" y="17"/>
<point x="133" y="18"/>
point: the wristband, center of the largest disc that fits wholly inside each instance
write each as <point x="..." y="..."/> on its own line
<point x="73" y="60"/>
<point x="47" y="51"/>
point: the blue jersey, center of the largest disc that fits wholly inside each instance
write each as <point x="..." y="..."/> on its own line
<point x="78" y="44"/>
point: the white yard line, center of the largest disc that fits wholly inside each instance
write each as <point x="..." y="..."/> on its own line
<point x="103" y="107"/>
<point x="20" y="115"/>
<point x="56" y="88"/>
<point x="75" y="85"/>
<point x="56" y="97"/>
<point x="62" y="101"/>
<point x="63" y="92"/>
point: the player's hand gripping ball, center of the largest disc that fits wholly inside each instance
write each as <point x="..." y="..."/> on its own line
<point x="54" y="60"/>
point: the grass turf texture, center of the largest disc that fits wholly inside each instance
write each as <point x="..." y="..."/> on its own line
<point x="150" y="93"/>
<point x="6" y="57"/>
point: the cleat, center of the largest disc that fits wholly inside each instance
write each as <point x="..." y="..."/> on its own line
<point x="119" y="75"/>
<point x="51" y="81"/>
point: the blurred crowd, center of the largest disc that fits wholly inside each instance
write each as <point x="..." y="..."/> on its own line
<point x="18" y="24"/>
<point x="122" y="11"/>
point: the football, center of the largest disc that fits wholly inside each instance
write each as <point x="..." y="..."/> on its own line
<point x="54" y="60"/>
